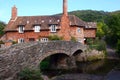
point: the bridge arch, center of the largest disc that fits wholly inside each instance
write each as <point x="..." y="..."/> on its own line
<point x="49" y="53"/>
<point x="54" y="61"/>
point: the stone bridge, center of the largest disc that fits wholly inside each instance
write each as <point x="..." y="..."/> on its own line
<point x="20" y="56"/>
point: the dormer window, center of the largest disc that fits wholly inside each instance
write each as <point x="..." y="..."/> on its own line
<point x="36" y="28"/>
<point x="53" y="28"/>
<point x="21" y="29"/>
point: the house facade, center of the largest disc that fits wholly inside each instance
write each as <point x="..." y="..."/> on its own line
<point x="38" y="28"/>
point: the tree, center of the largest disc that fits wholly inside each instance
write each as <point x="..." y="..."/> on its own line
<point x="2" y="26"/>
<point x="114" y="26"/>
<point x="90" y="15"/>
<point x="102" y="29"/>
<point x="113" y="38"/>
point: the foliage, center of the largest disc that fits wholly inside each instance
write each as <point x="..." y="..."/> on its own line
<point x="89" y="41"/>
<point x="45" y="63"/>
<point x="114" y="24"/>
<point x="111" y="40"/>
<point x="73" y="39"/>
<point x="28" y="74"/>
<point x="113" y="36"/>
<point x="97" y="44"/>
<point x="101" y="46"/>
<point x="95" y="57"/>
<point x="118" y="48"/>
<point x="2" y="25"/>
<point x="102" y="29"/>
<point x="14" y="42"/>
<point x="1" y="42"/>
<point x="90" y="15"/>
<point x="55" y="37"/>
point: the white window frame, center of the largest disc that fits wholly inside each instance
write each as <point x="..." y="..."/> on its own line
<point x="37" y="28"/>
<point x="21" y="29"/>
<point x="21" y="40"/>
<point x="44" y="39"/>
<point x="78" y="30"/>
<point x="53" y="28"/>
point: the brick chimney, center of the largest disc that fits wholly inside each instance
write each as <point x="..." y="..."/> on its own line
<point x="65" y="27"/>
<point x="65" y="7"/>
<point x="14" y="13"/>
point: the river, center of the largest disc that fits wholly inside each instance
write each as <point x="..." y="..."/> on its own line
<point x="97" y="69"/>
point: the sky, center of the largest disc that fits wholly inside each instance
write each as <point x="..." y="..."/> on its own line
<point x="50" y="7"/>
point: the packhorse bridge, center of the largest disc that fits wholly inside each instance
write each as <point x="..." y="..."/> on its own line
<point x="19" y="56"/>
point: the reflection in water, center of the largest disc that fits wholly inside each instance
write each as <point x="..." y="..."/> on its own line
<point x="97" y="67"/>
<point x="101" y="67"/>
<point x="89" y="66"/>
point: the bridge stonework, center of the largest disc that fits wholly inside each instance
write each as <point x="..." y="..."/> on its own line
<point x="19" y="56"/>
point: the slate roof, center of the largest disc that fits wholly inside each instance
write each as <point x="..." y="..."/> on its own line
<point x="43" y="21"/>
<point x="90" y="25"/>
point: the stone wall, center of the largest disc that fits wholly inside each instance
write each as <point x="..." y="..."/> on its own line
<point x="90" y="55"/>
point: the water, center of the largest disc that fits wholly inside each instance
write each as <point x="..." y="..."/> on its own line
<point x="98" y="67"/>
<point x="101" y="67"/>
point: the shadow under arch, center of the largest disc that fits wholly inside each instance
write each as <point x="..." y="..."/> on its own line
<point x="53" y="61"/>
<point x="77" y="55"/>
<point x="77" y="52"/>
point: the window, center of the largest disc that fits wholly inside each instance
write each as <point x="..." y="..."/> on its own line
<point x="44" y="40"/>
<point x="36" y="28"/>
<point x="31" y="39"/>
<point x="78" y="30"/>
<point x="21" y="40"/>
<point x="21" y="29"/>
<point x="53" y="28"/>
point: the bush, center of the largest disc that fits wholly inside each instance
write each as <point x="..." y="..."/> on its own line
<point x="14" y="42"/>
<point x="55" y="37"/>
<point x="101" y="46"/>
<point x="28" y="74"/>
<point x="73" y="39"/>
<point x="89" y="41"/>
<point x="97" y="44"/>
<point x="1" y="42"/>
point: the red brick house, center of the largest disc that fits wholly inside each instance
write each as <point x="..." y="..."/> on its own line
<point x="35" y="28"/>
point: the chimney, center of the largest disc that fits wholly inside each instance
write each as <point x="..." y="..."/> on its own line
<point x="64" y="24"/>
<point x="14" y="13"/>
<point x="65" y="8"/>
